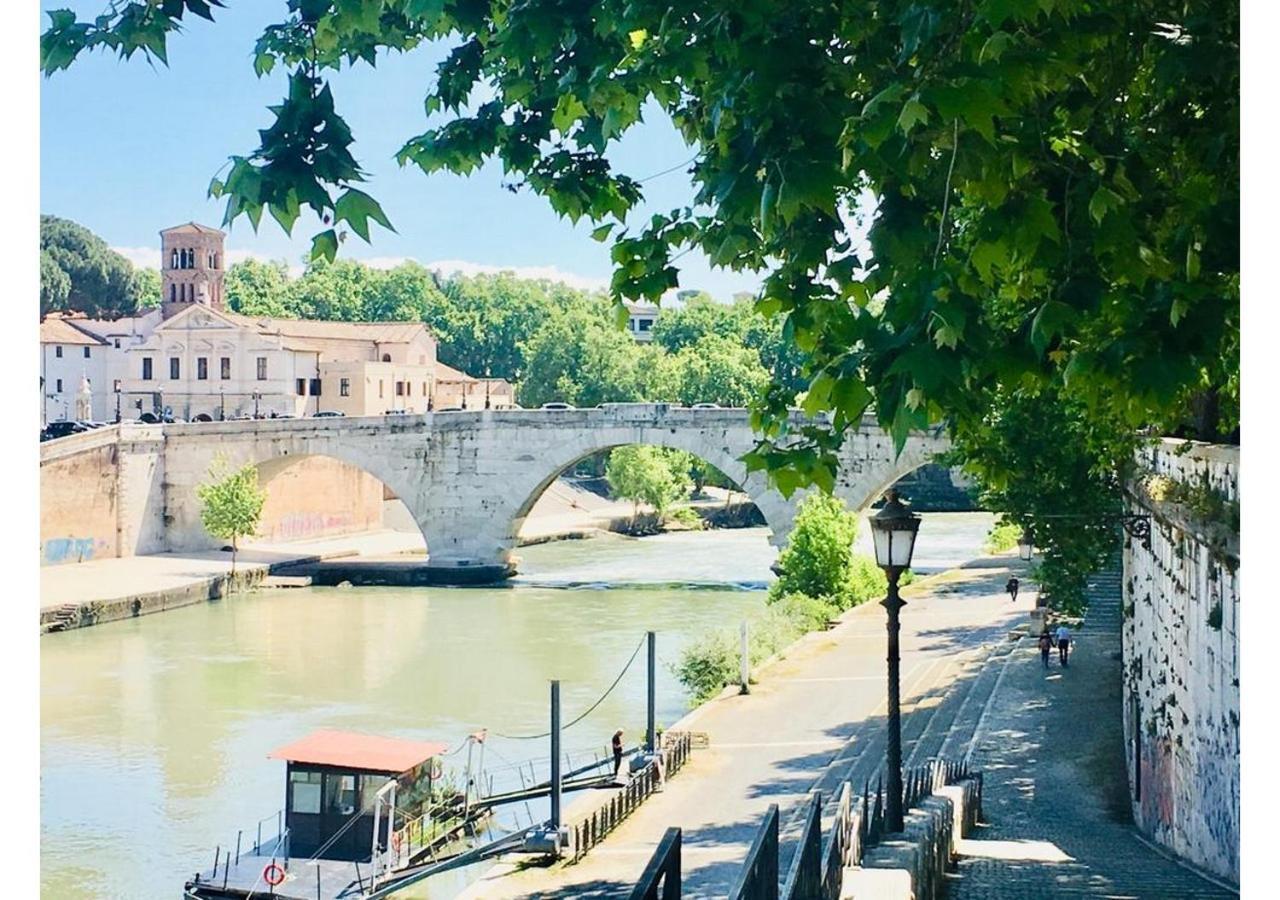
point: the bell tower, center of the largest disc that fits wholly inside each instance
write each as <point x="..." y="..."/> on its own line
<point x="192" y="267"/>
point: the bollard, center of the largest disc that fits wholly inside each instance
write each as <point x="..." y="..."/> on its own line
<point x="744" y="665"/>
<point x="238" y="833"/>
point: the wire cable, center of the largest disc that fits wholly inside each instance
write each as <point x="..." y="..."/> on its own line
<point x="590" y="709"/>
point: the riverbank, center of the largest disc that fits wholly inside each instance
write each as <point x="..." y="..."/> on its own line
<point x="107" y="590"/>
<point x="813" y="718"/>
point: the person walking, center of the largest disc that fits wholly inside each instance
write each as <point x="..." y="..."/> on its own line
<point x="1046" y="644"/>
<point x="1012" y="587"/>
<point x="617" y="753"/>
<point x="1063" y="636"/>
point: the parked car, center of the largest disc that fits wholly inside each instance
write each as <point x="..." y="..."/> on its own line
<point x="55" y="430"/>
<point x="451" y="409"/>
<point x="329" y="414"/>
<point x="243" y="417"/>
<point x="558" y="405"/>
<point x="706" y="406"/>
<point x="396" y="412"/>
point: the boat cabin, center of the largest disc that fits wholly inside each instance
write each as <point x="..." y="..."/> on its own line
<point x="331" y="781"/>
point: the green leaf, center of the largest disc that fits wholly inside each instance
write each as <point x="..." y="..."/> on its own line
<point x="1193" y="264"/>
<point x="1103" y="201"/>
<point x="356" y="208"/>
<point x="324" y="246"/>
<point x="818" y="397"/>
<point x="995" y="46"/>
<point x="1049" y="322"/>
<point x="602" y="233"/>
<point x="913" y="113"/>
<point x="768" y="200"/>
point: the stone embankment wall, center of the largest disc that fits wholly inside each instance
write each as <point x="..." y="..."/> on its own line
<point x="1181" y="653"/>
<point x="102" y="496"/>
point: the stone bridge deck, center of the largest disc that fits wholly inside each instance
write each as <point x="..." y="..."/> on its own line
<point x="467" y="478"/>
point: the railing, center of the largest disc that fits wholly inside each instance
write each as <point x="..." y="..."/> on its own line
<point x="817" y="869"/>
<point x="759" y="877"/>
<point x="595" y="827"/>
<point x="660" y="879"/>
<point x="277" y="846"/>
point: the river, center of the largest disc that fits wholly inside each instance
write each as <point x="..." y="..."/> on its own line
<point x="155" y="731"/>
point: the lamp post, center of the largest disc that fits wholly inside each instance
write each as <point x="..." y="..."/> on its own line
<point x="222" y="403"/>
<point x="893" y="531"/>
<point x="257" y="395"/>
<point x="117" y="387"/>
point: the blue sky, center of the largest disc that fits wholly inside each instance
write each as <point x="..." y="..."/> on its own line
<point x="127" y="150"/>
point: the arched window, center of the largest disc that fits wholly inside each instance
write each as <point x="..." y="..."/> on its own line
<point x="173" y="293"/>
<point x="173" y="260"/>
<point x="386" y="357"/>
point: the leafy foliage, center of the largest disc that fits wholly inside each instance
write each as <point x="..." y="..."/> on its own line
<point x="655" y="476"/>
<point x="231" y="503"/>
<point x="78" y="271"/>
<point x="1002" y="536"/>
<point x="818" y="558"/>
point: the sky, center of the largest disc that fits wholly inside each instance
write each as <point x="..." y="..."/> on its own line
<point x="128" y="149"/>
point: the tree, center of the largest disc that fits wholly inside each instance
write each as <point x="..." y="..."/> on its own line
<point x="257" y="288"/>
<point x="717" y="370"/>
<point x="231" y="504"/>
<point x="1049" y="190"/>
<point x="651" y="475"/>
<point x="78" y="271"/>
<point x="146" y="287"/>
<point x="818" y="558"/>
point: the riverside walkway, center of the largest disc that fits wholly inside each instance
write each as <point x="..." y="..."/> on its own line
<point x="1055" y="788"/>
<point x="815" y="718"/>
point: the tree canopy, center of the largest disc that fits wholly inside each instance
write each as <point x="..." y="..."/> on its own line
<point x="1054" y="182"/>
<point x="79" y="272"/>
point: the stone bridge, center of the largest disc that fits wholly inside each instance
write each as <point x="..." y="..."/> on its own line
<point x="468" y="478"/>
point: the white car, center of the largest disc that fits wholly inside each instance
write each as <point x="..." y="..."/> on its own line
<point x="558" y="405"/>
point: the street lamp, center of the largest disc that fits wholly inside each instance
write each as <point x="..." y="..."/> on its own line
<point x="222" y="403"/>
<point x="117" y="387"/>
<point x="893" y="532"/>
<point x="257" y="395"/>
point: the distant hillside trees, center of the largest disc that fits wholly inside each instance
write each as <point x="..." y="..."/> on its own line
<point x="79" y="272"/>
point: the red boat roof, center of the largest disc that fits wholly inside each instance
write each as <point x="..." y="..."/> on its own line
<point x="367" y="752"/>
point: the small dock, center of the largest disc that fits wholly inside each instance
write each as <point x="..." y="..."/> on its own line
<point x="304" y="879"/>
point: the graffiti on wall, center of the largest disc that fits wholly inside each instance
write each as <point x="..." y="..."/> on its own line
<point x="297" y="526"/>
<point x="71" y="550"/>
<point x="1157" y="804"/>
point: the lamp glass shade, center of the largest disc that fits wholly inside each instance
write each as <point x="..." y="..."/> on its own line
<point x="893" y="533"/>
<point x="1025" y="546"/>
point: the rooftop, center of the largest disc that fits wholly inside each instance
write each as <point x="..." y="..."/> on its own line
<point x="366" y="752"/>
<point x="192" y="227"/>
<point x="56" y="329"/>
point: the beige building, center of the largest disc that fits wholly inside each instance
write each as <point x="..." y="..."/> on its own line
<point x="641" y="317"/>
<point x="200" y="361"/>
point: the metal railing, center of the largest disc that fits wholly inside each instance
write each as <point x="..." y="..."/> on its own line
<point x="276" y="846"/>
<point x="660" y="879"/>
<point x="593" y="829"/>
<point x="817" y="868"/>
<point x="759" y="877"/>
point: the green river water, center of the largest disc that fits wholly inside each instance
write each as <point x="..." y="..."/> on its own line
<point x="155" y="731"/>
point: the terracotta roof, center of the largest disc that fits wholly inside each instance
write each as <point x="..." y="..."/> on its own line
<point x="379" y="332"/>
<point x="347" y="749"/>
<point x="57" y="330"/>
<point x="449" y="373"/>
<point x="193" y="226"/>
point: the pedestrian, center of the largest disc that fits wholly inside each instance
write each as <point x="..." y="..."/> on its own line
<point x="1012" y="587"/>
<point x="1046" y="644"/>
<point x="617" y="753"/>
<point x="1064" y="643"/>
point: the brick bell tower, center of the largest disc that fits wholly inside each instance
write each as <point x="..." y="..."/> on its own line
<point x="192" y="267"/>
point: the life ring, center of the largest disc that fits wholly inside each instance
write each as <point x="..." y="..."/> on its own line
<point x="273" y="874"/>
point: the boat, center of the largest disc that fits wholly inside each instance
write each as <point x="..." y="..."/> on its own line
<point x="359" y="811"/>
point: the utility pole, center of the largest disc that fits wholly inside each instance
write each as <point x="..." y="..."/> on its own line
<point x="651" y="732"/>
<point x="556" y="782"/>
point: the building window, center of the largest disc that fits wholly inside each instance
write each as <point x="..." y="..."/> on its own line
<point x="645" y="324"/>
<point x="315" y="387"/>
<point x="57" y="351"/>
<point x="408" y="388"/>
<point x="175" y="368"/>
<point x="424" y="389"/>
<point x="226" y="368"/>
<point x="302" y="387"/>
<point x="380" y="385"/>
<point x="115" y="385"/>
<point x="58" y="387"/>
<point x="399" y="388"/>
<point x="173" y="293"/>
<point x="146" y="368"/>
<point x="87" y="354"/>
<point x="117" y="343"/>
<point x="386" y="357"/>
<point x="173" y="261"/>
<point x="344" y="387"/>
<point x="202" y="368"/>
<point x="262" y="368"/>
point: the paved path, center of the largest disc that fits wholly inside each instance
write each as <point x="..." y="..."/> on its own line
<point x="111" y="579"/>
<point x="1055" y="787"/>
<point x="814" y="719"/>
